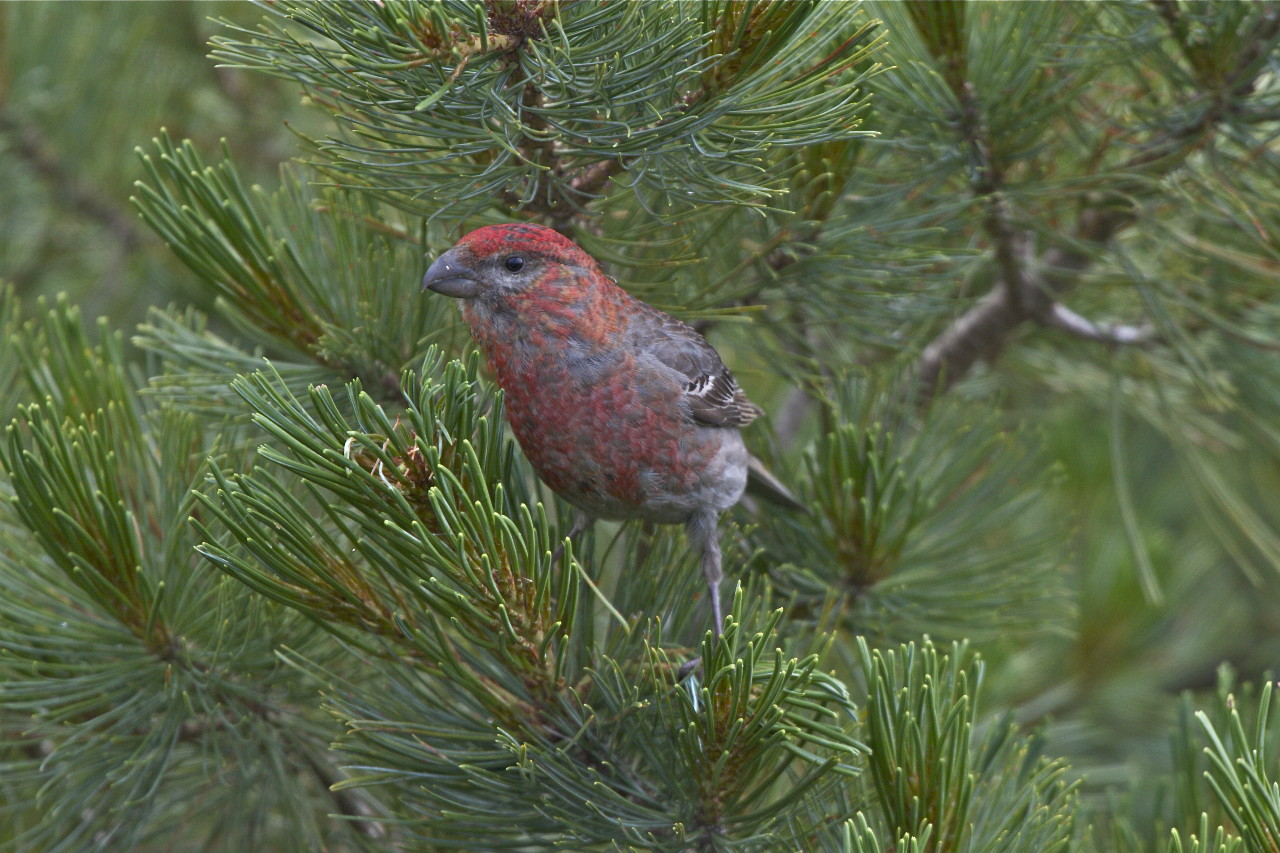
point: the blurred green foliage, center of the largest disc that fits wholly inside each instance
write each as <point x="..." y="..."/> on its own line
<point x="81" y="86"/>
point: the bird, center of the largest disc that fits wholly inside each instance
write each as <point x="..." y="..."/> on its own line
<point x="622" y="410"/>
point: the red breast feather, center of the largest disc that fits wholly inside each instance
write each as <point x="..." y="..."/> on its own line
<point x="606" y="427"/>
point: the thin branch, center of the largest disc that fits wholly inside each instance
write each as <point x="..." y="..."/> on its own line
<point x="1013" y="257"/>
<point x="1062" y="317"/>
<point x="978" y="334"/>
<point x="348" y="802"/>
<point x="68" y="190"/>
<point x="554" y="197"/>
<point x="981" y="332"/>
<point x="1020" y="294"/>
<point x="593" y="178"/>
<point x="1227" y="97"/>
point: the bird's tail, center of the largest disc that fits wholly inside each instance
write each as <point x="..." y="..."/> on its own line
<point x="763" y="485"/>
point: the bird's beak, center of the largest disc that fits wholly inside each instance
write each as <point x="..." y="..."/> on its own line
<point x="451" y="278"/>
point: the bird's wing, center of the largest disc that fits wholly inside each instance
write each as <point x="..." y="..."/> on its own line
<point x="712" y="393"/>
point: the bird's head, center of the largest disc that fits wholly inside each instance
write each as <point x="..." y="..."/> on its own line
<point x="507" y="260"/>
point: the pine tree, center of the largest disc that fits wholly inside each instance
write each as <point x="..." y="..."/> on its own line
<point x="275" y="576"/>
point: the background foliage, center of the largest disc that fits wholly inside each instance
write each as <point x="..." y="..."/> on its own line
<point x="275" y="578"/>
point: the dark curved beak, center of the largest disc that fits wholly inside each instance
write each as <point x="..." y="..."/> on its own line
<point x="448" y="276"/>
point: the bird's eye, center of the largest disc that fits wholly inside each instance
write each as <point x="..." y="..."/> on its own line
<point x="515" y="263"/>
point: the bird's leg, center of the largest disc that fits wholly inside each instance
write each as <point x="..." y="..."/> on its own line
<point x="581" y="521"/>
<point x="711" y="571"/>
<point x="702" y="534"/>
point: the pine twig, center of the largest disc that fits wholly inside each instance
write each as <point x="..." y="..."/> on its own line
<point x="1062" y="317"/>
<point x="1020" y="296"/>
<point x="348" y="802"/>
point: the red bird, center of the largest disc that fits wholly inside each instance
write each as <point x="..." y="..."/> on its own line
<point x="624" y="411"/>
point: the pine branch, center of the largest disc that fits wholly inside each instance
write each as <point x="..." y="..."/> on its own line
<point x="1239" y="771"/>
<point x="1027" y="290"/>
<point x="313" y="290"/>
<point x="933" y="775"/>
<point x="888" y="525"/>
<point x="1209" y="840"/>
<point x="348" y="802"/>
<point x="1030" y="290"/>
<point x="979" y="334"/>
<point x="118" y="649"/>
<point x="1062" y="317"/>
<point x="689" y="109"/>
